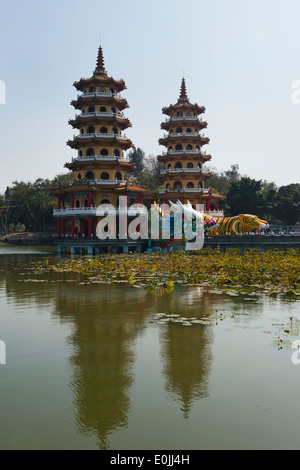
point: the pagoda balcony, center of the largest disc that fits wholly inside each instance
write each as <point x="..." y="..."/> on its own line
<point x="184" y="134"/>
<point x="184" y="118"/>
<point x="188" y="152"/>
<point x="184" y="190"/>
<point x="101" y="136"/>
<point x="101" y="94"/>
<point x="102" y="182"/>
<point x="101" y="158"/>
<point x="98" y="114"/>
<point x="184" y="170"/>
<point x="133" y="210"/>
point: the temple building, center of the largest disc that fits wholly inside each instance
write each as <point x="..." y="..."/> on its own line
<point x="184" y="176"/>
<point x="100" y="167"/>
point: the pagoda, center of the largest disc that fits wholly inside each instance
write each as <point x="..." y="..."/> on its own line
<point x="184" y="176"/>
<point x="100" y="167"/>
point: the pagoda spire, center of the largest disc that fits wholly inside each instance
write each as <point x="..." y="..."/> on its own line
<point x="100" y="67"/>
<point x="183" y="94"/>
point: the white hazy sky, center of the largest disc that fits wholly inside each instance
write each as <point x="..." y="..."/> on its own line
<point x="239" y="59"/>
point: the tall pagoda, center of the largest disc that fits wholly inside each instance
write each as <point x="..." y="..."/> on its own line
<point x="184" y="176"/>
<point x="100" y="167"/>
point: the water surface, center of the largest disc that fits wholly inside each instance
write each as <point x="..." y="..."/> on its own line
<point x="89" y="367"/>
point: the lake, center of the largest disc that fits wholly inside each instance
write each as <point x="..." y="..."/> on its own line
<point x="96" y="367"/>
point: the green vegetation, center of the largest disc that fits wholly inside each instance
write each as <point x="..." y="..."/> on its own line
<point x="270" y="273"/>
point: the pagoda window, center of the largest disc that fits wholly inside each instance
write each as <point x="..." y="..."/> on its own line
<point x="187" y="114"/>
<point x="103" y="130"/>
<point x="200" y="184"/>
<point x="81" y="131"/>
<point x="171" y="131"/>
<point x="170" y="148"/>
<point x="103" y="109"/>
<point x="80" y="153"/>
<point x="83" y="111"/>
<point x="190" y="165"/>
<point x="79" y="176"/>
<point x="102" y="90"/>
<point x="197" y="147"/>
<point x="90" y="152"/>
<point x="179" y="130"/>
<point x="118" y="176"/>
<point x="115" y="130"/>
<point x="177" y="185"/>
<point x="169" y="166"/>
<point x="113" y="110"/>
<point x="104" y="175"/>
<point x="90" y="175"/>
<point x="199" y="166"/>
<point x="77" y="204"/>
<point x="91" y="130"/>
<point x="178" y="165"/>
<point x="179" y="114"/>
<point x="112" y="90"/>
<point x="91" y="109"/>
<point x="116" y="152"/>
<point x="105" y="201"/>
<point x="92" y="89"/>
<point x="196" y="131"/>
<point x="189" y="147"/>
<point x="190" y="185"/>
<point x="189" y="129"/>
<point x="178" y="147"/>
<point x="167" y="186"/>
<point x="104" y="152"/>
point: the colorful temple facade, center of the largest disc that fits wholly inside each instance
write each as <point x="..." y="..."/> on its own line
<point x="184" y="176"/>
<point x="100" y="167"/>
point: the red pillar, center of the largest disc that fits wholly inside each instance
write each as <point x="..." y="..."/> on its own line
<point x="207" y="204"/>
<point x="217" y="205"/>
<point x="72" y="200"/>
<point x="89" y="226"/>
<point x="58" y="227"/>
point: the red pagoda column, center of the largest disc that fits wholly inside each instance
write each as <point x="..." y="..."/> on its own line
<point x="89" y="226"/>
<point x="208" y="204"/>
<point x="72" y="218"/>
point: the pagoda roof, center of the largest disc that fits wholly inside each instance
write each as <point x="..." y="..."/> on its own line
<point x="81" y="120"/>
<point x="100" y="77"/>
<point x="116" y="164"/>
<point x="183" y="103"/>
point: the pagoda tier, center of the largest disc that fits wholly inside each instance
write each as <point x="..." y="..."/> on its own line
<point x="192" y="155"/>
<point x="184" y="176"/>
<point x="100" y="139"/>
<point x="100" y="167"/>
<point x="96" y="116"/>
<point x="101" y="98"/>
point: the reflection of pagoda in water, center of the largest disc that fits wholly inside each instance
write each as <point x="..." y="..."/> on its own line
<point x="186" y="356"/>
<point x="103" y="357"/>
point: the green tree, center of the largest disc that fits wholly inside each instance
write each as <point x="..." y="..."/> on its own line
<point x="137" y="156"/>
<point x="287" y="204"/>
<point x="244" y="196"/>
<point x="148" y="177"/>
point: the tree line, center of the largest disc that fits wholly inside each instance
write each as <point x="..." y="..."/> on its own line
<point x="29" y="206"/>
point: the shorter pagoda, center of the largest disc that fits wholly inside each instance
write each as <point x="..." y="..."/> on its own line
<point x="184" y="176"/>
